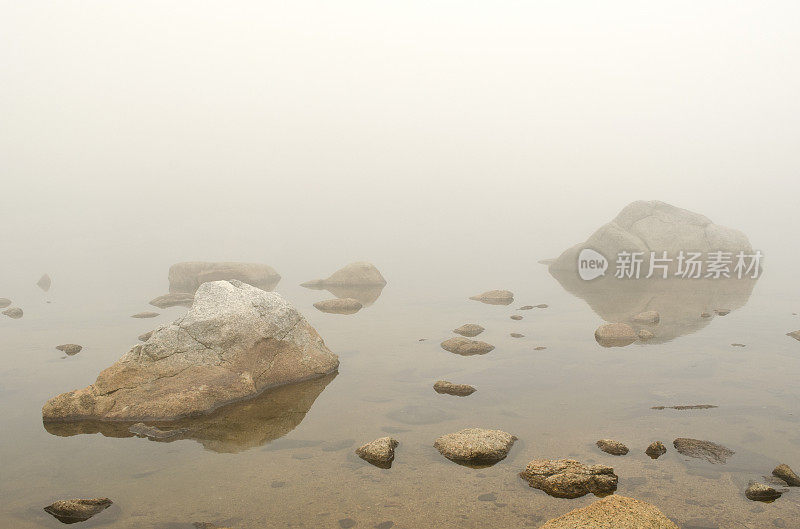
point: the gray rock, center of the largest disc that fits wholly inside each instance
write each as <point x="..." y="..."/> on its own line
<point x="615" y="335"/>
<point x="4" y="302"/>
<point x="495" y="297"/>
<point x="379" y="452"/>
<point x="78" y="510"/>
<point x="459" y="390"/>
<point x="13" y="313"/>
<point x="614" y="512"/>
<point x="656" y="450"/>
<point x="786" y="474"/>
<point x="794" y="334"/>
<point x="516" y="317"/>
<point x="44" y="282"/>
<point x="722" y="312"/>
<point x="567" y="478"/>
<point x="234" y="342"/>
<point x="517" y="335"/>
<point x="70" y="348"/>
<point x="466" y="347"/>
<point x="761" y="492"/>
<point x="146" y="314"/>
<point x="339" y="306"/>
<point x="609" y="446"/>
<point x="649" y="316"/>
<point x="188" y="276"/>
<point x="469" y="330"/>
<point x="711" y="452"/>
<point x="360" y="273"/>
<point x="475" y="445"/>
<point x="526" y="307"/>
<point x="145" y="336"/>
<point x="173" y="299"/>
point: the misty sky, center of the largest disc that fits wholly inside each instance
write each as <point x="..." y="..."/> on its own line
<point x="258" y="130"/>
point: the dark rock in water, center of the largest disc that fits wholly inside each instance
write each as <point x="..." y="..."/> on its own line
<point x="526" y="307"/>
<point x="469" y="330"/>
<point x="4" y="302"/>
<point x="705" y="315"/>
<point x="786" y="474"/>
<point x="151" y="432"/>
<point x="609" y="446"/>
<point x="347" y="523"/>
<point x="44" y="282"/>
<point x="70" y="348"/>
<point x="711" y="452"/>
<point x="722" y="312"/>
<point x="188" y="276"/>
<point x="738" y="345"/>
<point x="475" y="445"/>
<point x="656" y="450"/>
<point x="173" y="299"/>
<point x="495" y="297"/>
<point x="685" y="407"/>
<point x="650" y="316"/>
<point x="539" y="348"/>
<point x="614" y="512"/>
<point x="517" y="335"/>
<point x="466" y="347"/>
<point x="761" y="492"/>
<point x="13" y="313"/>
<point x="794" y="334"/>
<point x="379" y="452"/>
<point x="145" y="336"/>
<point x="615" y="335"/>
<point x="146" y="314"/>
<point x="339" y="306"/>
<point x="567" y="478"/>
<point x="541" y="306"/>
<point x="78" y="510"/>
<point x="459" y="390"/>
<point x="516" y="317"/>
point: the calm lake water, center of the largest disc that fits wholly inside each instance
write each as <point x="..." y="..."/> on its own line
<point x="286" y="459"/>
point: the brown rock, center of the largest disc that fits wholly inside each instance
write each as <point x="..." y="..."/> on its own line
<point x="469" y="330"/>
<point x="786" y="474"/>
<point x="466" y="347"/>
<point x="761" y="492"/>
<point x="650" y="316"/>
<point x="609" y="446"/>
<point x="656" y="450"/>
<point x="78" y="510"/>
<point x="44" y="282"/>
<point x="459" y="390"/>
<point x="145" y="336"/>
<point x="4" y="302"/>
<point x="355" y="274"/>
<point x="495" y="297"/>
<point x="614" y="512"/>
<point x="475" y="445"/>
<point x="517" y="335"/>
<point x="379" y="452"/>
<point x="516" y="317"/>
<point x="188" y="276"/>
<point x="615" y="335"/>
<point x="794" y="334"/>
<point x="567" y="478"/>
<point x="70" y="348"/>
<point x="339" y="306"/>
<point x="711" y="452"/>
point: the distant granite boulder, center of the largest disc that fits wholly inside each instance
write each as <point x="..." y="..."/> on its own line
<point x="44" y="282"/>
<point x="355" y="274"/>
<point x="188" y="276"/>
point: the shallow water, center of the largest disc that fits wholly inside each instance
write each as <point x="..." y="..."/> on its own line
<point x="286" y="458"/>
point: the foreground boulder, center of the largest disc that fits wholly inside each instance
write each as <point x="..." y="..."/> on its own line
<point x="711" y="452"/>
<point x="14" y="313"/>
<point x="379" y="452"/>
<point x="609" y="446"/>
<point x="72" y="511"/>
<point x="475" y="446"/>
<point x="448" y="388"/>
<point x="173" y="299"/>
<point x="339" y="306"/>
<point x="614" y="512"/>
<point x="567" y="478"/>
<point x="235" y="341"/>
<point x="495" y="297"/>
<point x="786" y="474"/>
<point x="188" y="276"/>
<point x="469" y="330"/>
<point x="466" y="347"/>
<point x="761" y="492"/>
<point x="69" y="348"/>
<point x="615" y="335"/>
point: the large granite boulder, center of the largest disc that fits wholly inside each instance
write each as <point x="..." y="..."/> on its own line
<point x="188" y="276"/>
<point x="234" y="342"/>
<point x="614" y="512"/>
<point x="567" y="478"/>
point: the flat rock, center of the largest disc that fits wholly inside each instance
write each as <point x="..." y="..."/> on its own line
<point x="539" y="348"/>
<point x="786" y="474"/>
<point x="466" y="347"/>
<point x="526" y="307"/>
<point x="44" y="282"/>
<point x="234" y="342"/>
<point x="173" y="299"/>
<point x="459" y="390"/>
<point x="339" y="306"/>
<point x="13" y="313"/>
<point x="722" y="312"/>
<point x="609" y="446"/>
<point x="78" y="510"/>
<point x="495" y="297"/>
<point x="614" y="512"/>
<point x="469" y="330"/>
<point x="517" y="335"/>
<point x="568" y="478"/>
<point x="711" y="452"/>
<point x="4" y="302"/>
<point x="615" y="335"/>
<point x="475" y="445"/>
<point x="761" y="492"/>
<point x="69" y="348"/>
<point x="146" y="314"/>
<point x="359" y="273"/>
<point x="516" y="317"/>
<point x="188" y="276"/>
<point x="656" y="450"/>
<point x="379" y="452"/>
<point x="650" y="316"/>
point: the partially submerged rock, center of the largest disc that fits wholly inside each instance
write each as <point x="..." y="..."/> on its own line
<point x="685" y="407"/>
<point x="786" y="474"/>
<point x="13" y="313"/>
<point x="526" y="307"/>
<point x="517" y="335"/>
<point x="475" y="445"/>
<point x="69" y="348"/>
<point x="568" y="478"/>
<point x="4" y="302"/>
<point x="379" y="452"/>
<point x="761" y="492"/>
<point x="145" y="336"/>
<point x="656" y="450"/>
<point x="649" y="316"/>
<point x="459" y="390"/>
<point x="146" y="314"/>
<point x="339" y="306"/>
<point x="794" y="334"/>
<point x="516" y="317"/>
<point x="188" y="276"/>
<point x="469" y="330"/>
<point x="466" y="347"/>
<point x="615" y="335"/>
<point x="44" y="282"/>
<point x="609" y="446"/>
<point x="78" y="510"/>
<point x="495" y="297"/>
<point x="359" y="273"/>
<point x="234" y="342"/>
<point x="711" y="452"/>
<point x="614" y="512"/>
<point x="173" y="299"/>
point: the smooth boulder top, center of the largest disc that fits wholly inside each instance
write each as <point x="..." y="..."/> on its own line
<point x="466" y="347"/>
<point x="475" y="445"/>
<point x="145" y="315"/>
<point x="188" y="276"/>
<point x="613" y="512"/>
<point x="568" y="478"/>
<point x="711" y="452"/>
<point x="234" y="342"/>
<point x="615" y="335"/>
<point x="339" y="306"/>
<point x="648" y="316"/>
<point x="794" y="334"/>
<point x="469" y="330"/>
<point x="359" y="273"/>
<point x="495" y="297"/>
<point x="77" y="510"/>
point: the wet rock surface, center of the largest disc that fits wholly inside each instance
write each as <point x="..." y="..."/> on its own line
<point x="339" y="306"/>
<point x="475" y="445"/>
<point x="495" y="297"/>
<point x="235" y="341"/>
<point x="173" y="299"/>
<point x="466" y="347"/>
<point x="785" y="473"/>
<point x="144" y="315"/>
<point x="188" y="276"/>
<point x="614" y="512"/>
<point x="615" y="335"/>
<point x="459" y="390"/>
<point x="609" y="446"/>
<point x="469" y="330"/>
<point x="379" y="452"/>
<point x="568" y="478"/>
<point x="711" y="452"/>
<point x="656" y="450"/>
<point x="761" y="492"/>
<point x="77" y="510"/>
<point x="69" y="348"/>
<point x="14" y="313"/>
<point x="645" y="335"/>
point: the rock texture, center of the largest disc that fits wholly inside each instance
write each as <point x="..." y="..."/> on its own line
<point x="70" y="348"/>
<point x="645" y="335"/>
<point x="466" y="347"/>
<point x="469" y="330"/>
<point x="649" y="316"/>
<point x="609" y="446"/>
<point x="495" y="297"/>
<point x="761" y="492"/>
<point x="173" y="299"/>
<point x="711" y="452"/>
<point x="44" y="282"/>
<point x="567" y="478"/>
<point x="146" y="314"/>
<point x="379" y="452"/>
<point x="13" y="313"/>
<point x="459" y="390"/>
<point x="339" y="306"/>
<point x="188" y="276"/>
<point x="786" y="474"/>
<point x="614" y="512"/>
<point x="615" y="335"/>
<point x="235" y="341"/>
<point x="475" y="445"/>
<point x="656" y="450"/>
<point x="78" y="510"/>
